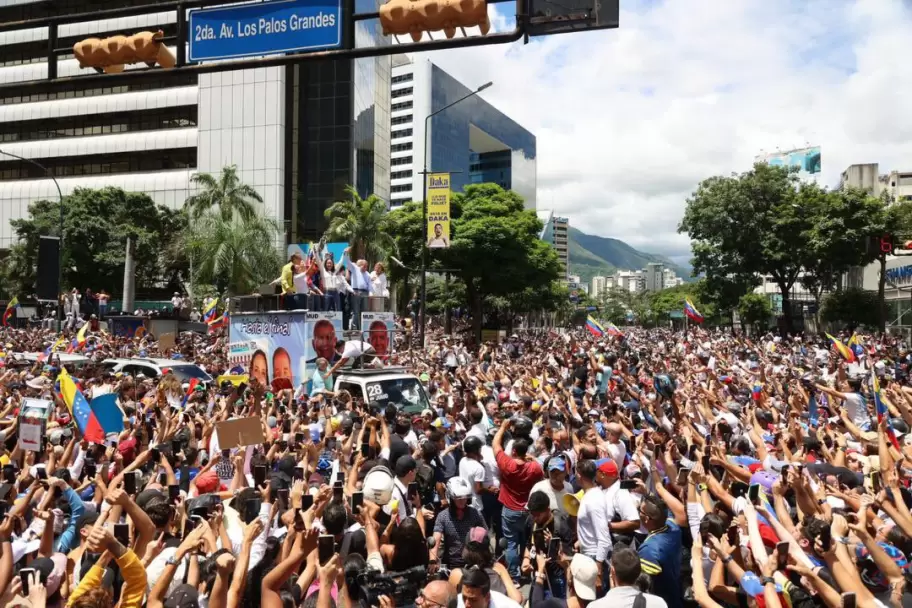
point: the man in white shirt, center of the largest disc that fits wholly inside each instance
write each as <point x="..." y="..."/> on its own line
<point x="472" y="470"/>
<point x="620" y="507"/>
<point x="592" y="518"/>
<point x="476" y="592"/>
<point x="556" y="486"/>
<point x="625" y="570"/>
<point x="616" y="449"/>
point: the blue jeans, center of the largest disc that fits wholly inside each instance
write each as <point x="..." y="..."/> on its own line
<point x="358" y="300"/>
<point x="557" y="580"/>
<point x="331" y="301"/>
<point x="515" y="527"/>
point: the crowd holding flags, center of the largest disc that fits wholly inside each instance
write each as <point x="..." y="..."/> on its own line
<point x="10" y="309"/>
<point x="847" y="353"/>
<point x="883" y="414"/>
<point x="594" y="327"/>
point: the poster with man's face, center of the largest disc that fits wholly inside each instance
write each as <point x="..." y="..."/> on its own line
<point x="323" y="329"/>
<point x="377" y="329"/>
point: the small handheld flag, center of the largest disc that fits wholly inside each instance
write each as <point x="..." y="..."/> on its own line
<point x="594" y="328"/>
<point x="613" y="330"/>
<point x="843" y="350"/>
<point x="882" y="414"/>
<point x="10" y="308"/>
<point x="79" y="409"/>
<point x="210" y="311"/>
<point x="194" y="382"/>
<point x="221" y="321"/>
<point x="691" y="311"/>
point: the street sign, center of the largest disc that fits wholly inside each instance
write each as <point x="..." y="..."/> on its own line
<point x="264" y="28"/>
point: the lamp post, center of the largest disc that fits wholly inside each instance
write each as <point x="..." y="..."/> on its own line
<point x="424" y="206"/>
<point x="59" y="229"/>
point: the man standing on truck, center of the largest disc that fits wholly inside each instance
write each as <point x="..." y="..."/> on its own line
<point x="356" y="354"/>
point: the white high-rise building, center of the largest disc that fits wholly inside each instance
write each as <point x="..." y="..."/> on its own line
<point x="472" y="140"/>
<point x="598" y="286"/>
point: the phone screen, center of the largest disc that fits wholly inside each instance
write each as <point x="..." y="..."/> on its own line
<point x="259" y="475"/>
<point x="753" y="493"/>
<point x="130" y="483"/>
<point x="338" y="492"/>
<point x="251" y="510"/>
<point x="282" y="494"/>
<point x="307" y="501"/>
<point x="42" y="472"/>
<point x="175" y="447"/>
<point x="412" y="490"/>
<point x="706" y="463"/>
<point x="554" y="549"/>
<point x="848" y="599"/>
<point x="782" y="555"/>
<point x="325" y="548"/>
<point x="154" y="455"/>
<point x="24" y="575"/>
<point x="173" y="493"/>
<point x="875" y="481"/>
<point x="122" y="534"/>
<point x="365" y="450"/>
<point x="538" y="538"/>
<point x="733" y="536"/>
<point x="682" y="476"/>
<point x="628" y="484"/>
<point x="357" y="501"/>
<point x="299" y="473"/>
<point x="89" y="470"/>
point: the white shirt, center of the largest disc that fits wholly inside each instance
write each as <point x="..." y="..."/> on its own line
<point x="619" y="502"/>
<point x="618" y="453"/>
<point x="592" y="526"/>
<point x="473" y="472"/>
<point x="498" y="600"/>
<point x="300" y="283"/>
<point x="378" y="284"/>
<point x="555" y="497"/>
<point x="492" y="471"/>
<point x="623" y="597"/>
<point x="855" y="408"/>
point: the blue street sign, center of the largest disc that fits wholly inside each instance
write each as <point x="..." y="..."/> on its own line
<point x="264" y="28"/>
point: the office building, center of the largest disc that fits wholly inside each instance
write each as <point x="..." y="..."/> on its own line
<point x="472" y="140"/>
<point x="598" y="286"/>
<point x="298" y="134"/>
<point x="898" y="184"/>
<point x="555" y="231"/>
<point x="655" y="276"/>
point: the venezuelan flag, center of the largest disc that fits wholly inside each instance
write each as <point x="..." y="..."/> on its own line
<point x="855" y="344"/>
<point x="194" y="382"/>
<point x="51" y="349"/>
<point x="209" y="312"/>
<point x="691" y="311"/>
<point x="594" y="328"/>
<point x="844" y="350"/>
<point x="221" y="321"/>
<point x="756" y="392"/>
<point x="882" y="413"/>
<point x="8" y="313"/>
<point x="613" y="330"/>
<point x="79" y="409"/>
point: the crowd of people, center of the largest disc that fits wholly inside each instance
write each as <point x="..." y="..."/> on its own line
<point x="646" y="470"/>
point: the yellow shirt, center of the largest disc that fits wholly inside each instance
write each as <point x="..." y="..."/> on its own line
<point x="134" y="578"/>
<point x="288" y="278"/>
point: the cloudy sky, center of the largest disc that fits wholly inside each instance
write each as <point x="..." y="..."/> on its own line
<point x="630" y="120"/>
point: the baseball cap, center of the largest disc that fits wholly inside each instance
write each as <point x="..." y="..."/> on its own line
<point x="557" y="464"/>
<point x="185" y="596"/>
<point x="585" y="572"/>
<point x="609" y="467"/>
<point x="477" y="535"/>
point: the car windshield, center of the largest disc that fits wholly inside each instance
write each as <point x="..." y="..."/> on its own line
<point x="186" y="372"/>
<point x="404" y="393"/>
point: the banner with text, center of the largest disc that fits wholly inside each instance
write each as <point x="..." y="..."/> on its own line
<point x="438" y="208"/>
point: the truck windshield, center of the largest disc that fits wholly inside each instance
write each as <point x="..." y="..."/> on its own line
<point x="404" y="393"/>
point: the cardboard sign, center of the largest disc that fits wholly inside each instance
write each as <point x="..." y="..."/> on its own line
<point x="166" y="341"/>
<point x="33" y="417"/>
<point x="239" y="432"/>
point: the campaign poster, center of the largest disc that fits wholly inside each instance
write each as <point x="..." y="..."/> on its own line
<point x="323" y="330"/>
<point x="270" y="347"/>
<point x="33" y="417"/>
<point x="438" y="210"/>
<point x="378" y="329"/>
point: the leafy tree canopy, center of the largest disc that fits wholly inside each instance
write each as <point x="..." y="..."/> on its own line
<point x="851" y="307"/>
<point x="224" y="194"/>
<point x="96" y="226"/>
<point x="754" y="309"/>
<point x="363" y="223"/>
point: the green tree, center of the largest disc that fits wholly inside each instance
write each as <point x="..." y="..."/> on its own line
<point x="495" y="250"/>
<point x="611" y="306"/>
<point x="224" y="193"/>
<point x="852" y="307"/>
<point x="755" y="310"/>
<point x="96" y="226"/>
<point x="236" y="255"/>
<point x="756" y="223"/>
<point x="364" y="224"/>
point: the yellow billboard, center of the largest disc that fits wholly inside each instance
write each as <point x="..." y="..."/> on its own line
<point x="438" y="210"/>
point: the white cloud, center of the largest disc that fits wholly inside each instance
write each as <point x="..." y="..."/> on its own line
<point x="630" y="120"/>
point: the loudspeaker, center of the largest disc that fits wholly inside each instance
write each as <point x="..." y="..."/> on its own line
<point x="48" y="268"/>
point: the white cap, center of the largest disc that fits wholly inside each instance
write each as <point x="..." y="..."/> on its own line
<point x="585" y="573"/>
<point x="378" y="486"/>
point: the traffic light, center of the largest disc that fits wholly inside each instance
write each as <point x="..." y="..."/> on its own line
<point x="112" y="54"/>
<point x="414" y="17"/>
<point x="886" y="244"/>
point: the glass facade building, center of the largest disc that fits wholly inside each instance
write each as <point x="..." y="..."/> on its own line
<point x="476" y="142"/>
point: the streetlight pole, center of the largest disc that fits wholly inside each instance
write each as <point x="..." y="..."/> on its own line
<point x="424" y="208"/>
<point x="59" y="229"/>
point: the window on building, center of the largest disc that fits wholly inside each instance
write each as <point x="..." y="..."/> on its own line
<point x="402" y="133"/>
<point x="102" y="164"/>
<point x="401" y="120"/>
<point x="401" y="174"/>
<point x="402" y="78"/>
<point x="402" y="160"/>
<point x="402" y="105"/>
<point x="99" y="124"/>
<point x="151" y="83"/>
<point x="401" y="147"/>
<point x="402" y="188"/>
<point x="401" y="92"/>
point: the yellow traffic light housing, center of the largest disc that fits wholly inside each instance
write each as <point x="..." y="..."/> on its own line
<point x="414" y="17"/>
<point x="112" y="54"/>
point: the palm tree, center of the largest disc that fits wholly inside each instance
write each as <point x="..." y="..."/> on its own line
<point x="236" y="255"/>
<point x="226" y="193"/>
<point x="363" y="224"/>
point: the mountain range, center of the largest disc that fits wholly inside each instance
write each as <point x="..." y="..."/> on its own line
<point x="592" y="255"/>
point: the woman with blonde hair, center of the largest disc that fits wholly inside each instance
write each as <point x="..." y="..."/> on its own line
<point x="379" y="286"/>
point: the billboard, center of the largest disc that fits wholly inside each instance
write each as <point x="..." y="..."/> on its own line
<point x="806" y="159"/>
<point x="438" y="210"/>
<point x="378" y="329"/>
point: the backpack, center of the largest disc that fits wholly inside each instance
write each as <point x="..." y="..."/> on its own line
<point x="427" y="487"/>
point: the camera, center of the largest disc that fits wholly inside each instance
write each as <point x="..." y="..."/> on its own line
<point x="402" y="587"/>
